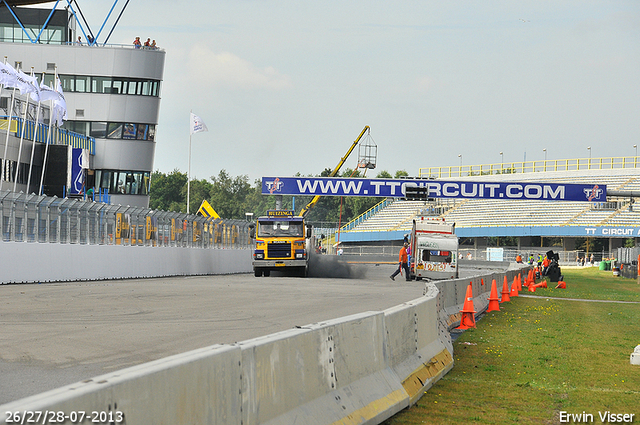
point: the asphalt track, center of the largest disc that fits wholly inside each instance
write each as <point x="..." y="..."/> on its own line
<point x="59" y="333"/>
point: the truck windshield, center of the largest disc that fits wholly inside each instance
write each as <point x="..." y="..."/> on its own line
<point x="280" y="228"/>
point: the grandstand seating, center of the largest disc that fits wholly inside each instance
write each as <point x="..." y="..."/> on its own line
<point x="398" y="215"/>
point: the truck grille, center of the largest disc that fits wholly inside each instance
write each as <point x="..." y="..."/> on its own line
<point x="279" y="250"/>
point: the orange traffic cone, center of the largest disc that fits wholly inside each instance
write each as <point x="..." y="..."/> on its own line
<point x="468" y="319"/>
<point x="514" y="288"/>
<point x="561" y="285"/>
<point x="542" y="284"/>
<point x="505" y="291"/>
<point x="494" y="301"/>
<point x="519" y="282"/>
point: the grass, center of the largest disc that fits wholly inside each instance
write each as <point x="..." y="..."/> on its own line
<point x="539" y="356"/>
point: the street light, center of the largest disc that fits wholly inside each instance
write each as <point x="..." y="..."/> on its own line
<point x="589" y="149"/>
<point x="460" y="156"/>
<point x="636" y="148"/>
<point x="545" y="154"/>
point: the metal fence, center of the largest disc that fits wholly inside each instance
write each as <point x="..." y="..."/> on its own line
<point x="506" y="254"/>
<point x="42" y="219"/>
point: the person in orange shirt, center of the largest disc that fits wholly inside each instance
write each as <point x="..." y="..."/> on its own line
<point x="545" y="265"/>
<point x="404" y="263"/>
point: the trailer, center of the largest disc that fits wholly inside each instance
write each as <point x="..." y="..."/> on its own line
<point x="434" y="249"/>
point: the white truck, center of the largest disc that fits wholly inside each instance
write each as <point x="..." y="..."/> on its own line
<point x="434" y="249"/>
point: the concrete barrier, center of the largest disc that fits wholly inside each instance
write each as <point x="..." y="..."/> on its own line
<point x="419" y="348"/>
<point x="359" y="369"/>
<point x="58" y="262"/>
<point x="334" y="371"/>
<point x="198" y="387"/>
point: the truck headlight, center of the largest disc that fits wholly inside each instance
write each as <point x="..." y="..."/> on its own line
<point x="258" y="255"/>
<point x="300" y="254"/>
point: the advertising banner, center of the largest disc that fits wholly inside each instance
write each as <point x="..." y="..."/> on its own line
<point x="334" y="186"/>
<point x="78" y="161"/>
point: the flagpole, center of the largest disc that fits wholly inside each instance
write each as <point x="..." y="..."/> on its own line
<point x="46" y="147"/>
<point x="195" y="126"/>
<point x="189" y="173"/>
<point x="3" y="159"/>
<point x="35" y="136"/>
<point x="6" y="143"/>
<point x="24" y="124"/>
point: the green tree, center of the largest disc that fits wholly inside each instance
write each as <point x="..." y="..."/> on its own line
<point x="168" y="192"/>
<point x="200" y="190"/>
<point x="230" y="195"/>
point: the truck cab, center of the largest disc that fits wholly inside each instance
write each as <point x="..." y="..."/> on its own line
<point x="281" y="243"/>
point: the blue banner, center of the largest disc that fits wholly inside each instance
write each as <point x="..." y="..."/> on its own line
<point x="395" y="188"/>
<point x="77" y="176"/>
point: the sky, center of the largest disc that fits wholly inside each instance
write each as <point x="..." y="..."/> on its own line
<point x="286" y="86"/>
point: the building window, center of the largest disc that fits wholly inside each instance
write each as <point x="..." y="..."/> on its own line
<point x="114" y="130"/>
<point x="142" y="132"/>
<point x="130" y="131"/>
<point x="106" y="85"/>
<point x="83" y="84"/>
<point x="68" y="83"/>
<point x="99" y="130"/>
<point x="123" y="182"/>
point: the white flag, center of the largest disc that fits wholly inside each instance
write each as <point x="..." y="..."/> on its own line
<point x="59" y="107"/>
<point x="8" y="75"/>
<point x="197" y="125"/>
<point x="47" y="93"/>
<point x="28" y="84"/>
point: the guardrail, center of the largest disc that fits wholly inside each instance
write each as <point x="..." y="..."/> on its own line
<point x="576" y="164"/>
<point x="365" y="215"/>
<point x="353" y="370"/>
<point x="43" y="219"/>
<point x="59" y="136"/>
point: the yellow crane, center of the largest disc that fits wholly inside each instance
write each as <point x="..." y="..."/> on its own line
<point x="335" y="171"/>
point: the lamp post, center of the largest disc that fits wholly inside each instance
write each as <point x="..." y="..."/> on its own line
<point x="501" y="161"/>
<point x="589" y="149"/>
<point x="460" y="156"/>
<point x="636" y="148"/>
<point x="545" y="154"/>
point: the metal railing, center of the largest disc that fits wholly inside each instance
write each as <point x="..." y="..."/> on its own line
<point x="59" y="136"/>
<point x="549" y="165"/>
<point x="365" y="215"/>
<point x="42" y="219"/>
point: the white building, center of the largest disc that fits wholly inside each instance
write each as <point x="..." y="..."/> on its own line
<point x="112" y="94"/>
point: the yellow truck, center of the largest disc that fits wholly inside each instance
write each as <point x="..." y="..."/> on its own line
<point x="282" y="243"/>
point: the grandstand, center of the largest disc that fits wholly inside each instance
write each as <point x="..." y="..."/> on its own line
<point x="481" y="218"/>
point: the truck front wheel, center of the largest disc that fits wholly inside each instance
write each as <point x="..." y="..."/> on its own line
<point x="257" y="272"/>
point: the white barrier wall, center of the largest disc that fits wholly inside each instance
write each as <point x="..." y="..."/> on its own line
<point x="198" y="387"/>
<point x="321" y="374"/>
<point x="419" y="345"/>
<point x="358" y="369"/>
<point x="42" y="262"/>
